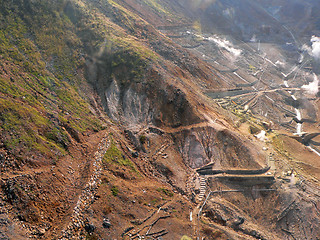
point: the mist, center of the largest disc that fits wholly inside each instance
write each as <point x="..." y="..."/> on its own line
<point x="312" y="88"/>
<point x="197" y="4"/>
<point x="315" y="52"/>
<point x="223" y="43"/>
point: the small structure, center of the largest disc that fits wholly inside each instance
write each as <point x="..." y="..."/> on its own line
<point x="239" y="176"/>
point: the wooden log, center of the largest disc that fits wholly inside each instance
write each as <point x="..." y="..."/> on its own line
<point x="159" y="232"/>
<point x="155" y="222"/>
<point x="162" y="234"/>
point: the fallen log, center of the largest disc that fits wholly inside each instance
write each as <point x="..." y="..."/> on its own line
<point x="162" y="234"/>
<point x="155" y="233"/>
<point x="155" y="222"/>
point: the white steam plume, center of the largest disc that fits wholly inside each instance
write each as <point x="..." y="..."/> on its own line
<point x="315" y="47"/>
<point x="223" y="43"/>
<point x="306" y="48"/>
<point x="195" y="4"/>
<point x="313" y="87"/>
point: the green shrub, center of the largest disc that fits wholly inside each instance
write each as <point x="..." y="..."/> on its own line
<point x="114" y="155"/>
<point x="142" y="139"/>
<point x="114" y="191"/>
<point x="186" y="238"/>
<point x="165" y="191"/>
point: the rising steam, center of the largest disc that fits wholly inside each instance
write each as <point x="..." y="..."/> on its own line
<point x="314" y="50"/>
<point x="223" y="43"/>
<point x="196" y="4"/>
<point x="313" y="87"/>
<point x="315" y="47"/>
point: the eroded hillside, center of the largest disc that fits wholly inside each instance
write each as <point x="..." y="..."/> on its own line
<point x="109" y="107"/>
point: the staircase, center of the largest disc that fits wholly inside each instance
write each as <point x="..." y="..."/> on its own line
<point x="203" y="188"/>
<point x="196" y="186"/>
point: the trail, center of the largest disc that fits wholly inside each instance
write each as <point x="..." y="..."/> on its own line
<point x="267" y="91"/>
<point x="192" y="126"/>
<point x="313" y="150"/>
<point x="288" y="74"/>
<point x="72" y="230"/>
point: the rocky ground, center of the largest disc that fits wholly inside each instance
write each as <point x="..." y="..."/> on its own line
<point x="104" y="123"/>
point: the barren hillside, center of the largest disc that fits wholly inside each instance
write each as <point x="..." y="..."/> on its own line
<point x="153" y="119"/>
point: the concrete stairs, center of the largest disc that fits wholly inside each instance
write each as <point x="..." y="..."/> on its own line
<point x="203" y="188"/>
<point x="196" y="186"/>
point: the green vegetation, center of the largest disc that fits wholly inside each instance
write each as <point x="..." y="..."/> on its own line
<point x="22" y="126"/>
<point x="114" y="155"/>
<point x="114" y="191"/>
<point x="186" y="238"/>
<point x="29" y="114"/>
<point x="142" y="139"/>
<point x="127" y="65"/>
<point x="154" y="202"/>
<point x="278" y="144"/>
<point x="44" y="46"/>
<point x="254" y="129"/>
<point x="252" y="68"/>
<point x="197" y="26"/>
<point x="165" y="191"/>
<point x="157" y="6"/>
<point x="39" y="89"/>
